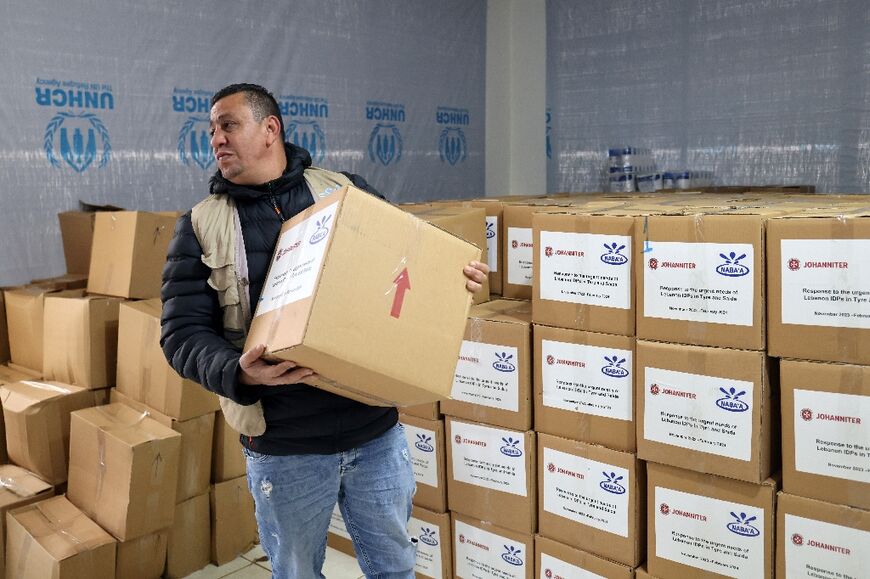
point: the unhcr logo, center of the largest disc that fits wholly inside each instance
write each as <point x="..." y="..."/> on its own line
<point x="452" y="146"/>
<point x="194" y="137"/>
<point x="385" y="140"/>
<point x="302" y="128"/>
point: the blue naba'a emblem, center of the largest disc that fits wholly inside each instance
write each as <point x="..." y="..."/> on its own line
<point x="451" y="145"/>
<point x="428" y="537"/>
<point x="613" y="255"/>
<point x="322" y="230"/>
<point x="731" y="401"/>
<point x="614" y="367"/>
<point x="512" y="555"/>
<point x="81" y="136"/>
<point x="194" y="143"/>
<point x="732" y="266"/>
<point x="490" y="229"/>
<point x="503" y="362"/>
<point x="611" y="483"/>
<point x="510" y="447"/>
<point x="385" y="144"/>
<point x="424" y="443"/>
<point x="742" y="525"/>
<point x="309" y="136"/>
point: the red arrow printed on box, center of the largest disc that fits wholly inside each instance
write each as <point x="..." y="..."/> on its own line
<point x="403" y="284"/>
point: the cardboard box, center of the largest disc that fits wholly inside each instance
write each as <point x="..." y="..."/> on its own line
<point x="233" y="525"/>
<point x="434" y="547"/>
<point x="826" y="431"/>
<point x="189" y="544"/>
<point x="337" y="537"/>
<point x="66" y="282"/>
<point x="517" y="256"/>
<point x="704" y="526"/>
<point x="24" y="318"/>
<point x="52" y="538"/>
<point x="493" y="379"/>
<point x="77" y="233"/>
<point x="818" y="539"/>
<point x="554" y="560"/>
<point x="37" y="418"/>
<point x="195" y="454"/>
<point x="370" y="297"/>
<point x="228" y="461"/>
<point x="819" y="284"/>
<point x="584" y="386"/>
<point x="485" y="551"/>
<point x="143" y="558"/>
<point x="80" y="337"/>
<point x="128" y="253"/>
<point x="592" y="498"/>
<point x="641" y="573"/>
<point x="13" y="373"/>
<point x="19" y="487"/>
<point x="491" y="474"/>
<point x="143" y="372"/>
<point x="123" y="469"/>
<point x="706" y="409"/>
<point x="426" y="444"/>
<point x="431" y="411"/>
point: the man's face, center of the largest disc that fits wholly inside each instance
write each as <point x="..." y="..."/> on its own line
<point x="238" y="140"/>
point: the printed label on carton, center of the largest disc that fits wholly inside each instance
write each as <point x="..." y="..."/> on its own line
<point x="832" y="434"/>
<point x="586" y="491"/>
<point x="702" y="413"/>
<point x="492" y="242"/>
<point x="710" y="534"/>
<point x="826" y="282"/>
<point x="487" y="374"/>
<point x="553" y="568"/>
<point x="587" y="379"/>
<point x="489" y="457"/>
<point x="297" y="260"/>
<point x="586" y="268"/>
<point x="819" y="549"/>
<point x="423" y="445"/>
<point x="482" y="554"/>
<point x="700" y="282"/>
<point x="429" y="540"/>
<point x="519" y="255"/>
<point x="336" y="524"/>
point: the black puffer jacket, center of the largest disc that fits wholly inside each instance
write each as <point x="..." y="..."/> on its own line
<point x="300" y="419"/>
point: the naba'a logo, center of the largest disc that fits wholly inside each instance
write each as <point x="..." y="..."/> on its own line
<point x="322" y="230"/>
<point x="731" y="401"/>
<point x="732" y="266"/>
<point x="512" y="555"/>
<point x="613" y="257"/>
<point x="428" y="537"/>
<point x="503" y="362"/>
<point x="194" y="143"/>
<point x="490" y="229"/>
<point x="451" y="145"/>
<point x="424" y="443"/>
<point x="614" y="367"/>
<point x="611" y="483"/>
<point x="309" y="136"/>
<point x="510" y="447"/>
<point x="385" y="144"/>
<point x="80" y="137"/>
<point x="741" y="525"/>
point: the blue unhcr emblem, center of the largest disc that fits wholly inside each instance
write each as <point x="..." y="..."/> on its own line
<point x="385" y="144"/>
<point x="78" y="141"/>
<point x="309" y="136"/>
<point x="451" y="145"/>
<point x="194" y="144"/>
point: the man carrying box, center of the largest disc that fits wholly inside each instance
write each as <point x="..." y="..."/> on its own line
<point x="305" y="447"/>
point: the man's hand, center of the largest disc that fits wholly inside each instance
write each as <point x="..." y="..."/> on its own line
<point x="255" y="370"/>
<point x="476" y="273"/>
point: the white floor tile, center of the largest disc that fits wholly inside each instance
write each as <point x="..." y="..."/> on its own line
<point x="212" y="572"/>
<point x="340" y="566"/>
<point x="252" y="571"/>
<point x="257" y="555"/>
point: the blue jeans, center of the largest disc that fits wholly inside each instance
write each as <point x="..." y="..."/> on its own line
<point x="295" y="495"/>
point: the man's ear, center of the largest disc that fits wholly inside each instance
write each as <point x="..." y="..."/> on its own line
<point x="273" y="131"/>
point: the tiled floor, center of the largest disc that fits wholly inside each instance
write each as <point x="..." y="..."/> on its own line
<point x="255" y="565"/>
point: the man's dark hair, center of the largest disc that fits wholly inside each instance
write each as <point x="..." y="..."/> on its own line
<point x="260" y="100"/>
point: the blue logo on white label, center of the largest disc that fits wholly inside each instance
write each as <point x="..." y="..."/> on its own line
<point x="732" y="266"/>
<point x="614" y="367"/>
<point x="490" y="229"/>
<point x="424" y="443"/>
<point x="322" y="230"/>
<point x="81" y="135"/>
<point x="510" y="447"/>
<point x="731" y="401"/>
<point x="309" y="136"/>
<point x="194" y="143"/>
<point x="613" y="255"/>
<point x="428" y="537"/>
<point x="741" y="525"/>
<point x="503" y="362"/>
<point x="451" y="145"/>
<point x="512" y="555"/>
<point x="611" y="483"/>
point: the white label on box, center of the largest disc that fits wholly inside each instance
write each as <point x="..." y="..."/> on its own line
<point x="519" y="255"/>
<point x="553" y="568"/>
<point x="826" y="282"/>
<point x="819" y="549"/>
<point x="832" y="434"/>
<point x="586" y="491"/>
<point x="423" y="445"/>
<point x="586" y="268"/>
<point x="429" y="540"/>
<point x="492" y="242"/>
<point x="700" y="282"/>
<point x="297" y="260"/>
<point x="587" y="379"/>
<point x="709" y="534"/>
<point x="336" y="524"/>
<point x="488" y="375"/>
<point x="489" y="457"/>
<point x="482" y="554"/>
<point x="703" y="413"/>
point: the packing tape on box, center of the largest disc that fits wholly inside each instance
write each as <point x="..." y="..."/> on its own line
<point x="46" y="386"/>
<point x="57" y="528"/>
<point x="11" y="483"/>
<point x="101" y="442"/>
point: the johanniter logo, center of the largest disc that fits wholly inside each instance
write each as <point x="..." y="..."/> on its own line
<point x="194" y="140"/>
<point x="385" y="141"/>
<point x="512" y="555"/>
<point x="732" y="266"/>
<point x="503" y="362"/>
<point x="301" y="126"/>
<point x="510" y="447"/>
<point x="452" y="146"/>
<point x="742" y="525"/>
<point x="611" y="483"/>
<point x="731" y="401"/>
<point x="428" y="537"/>
<point x="424" y="443"/>
<point x="613" y="255"/>
<point x="614" y="367"/>
<point x="322" y="230"/>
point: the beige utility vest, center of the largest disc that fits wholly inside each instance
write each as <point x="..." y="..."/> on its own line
<point x="217" y="227"/>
